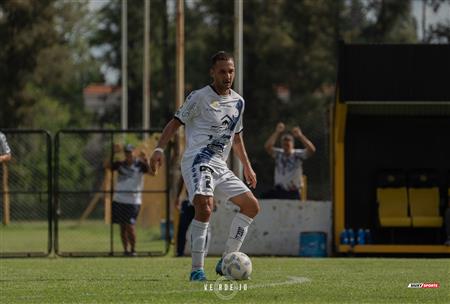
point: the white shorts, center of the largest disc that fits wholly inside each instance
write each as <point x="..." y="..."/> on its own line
<point x="211" y="180"/>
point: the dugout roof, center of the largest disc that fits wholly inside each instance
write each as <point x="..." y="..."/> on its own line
<point x="394" y="73"/>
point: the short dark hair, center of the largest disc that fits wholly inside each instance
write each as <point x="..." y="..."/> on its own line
<point x="128" y="148"/>
<point x="287" y="136"/>
<point x="221" y="55"/>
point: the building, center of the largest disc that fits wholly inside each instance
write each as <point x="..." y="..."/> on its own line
<point x="101" y="98"/>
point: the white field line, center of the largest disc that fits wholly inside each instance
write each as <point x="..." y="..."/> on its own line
<point x="200" y="288"/>
<point x="291" y="281"/>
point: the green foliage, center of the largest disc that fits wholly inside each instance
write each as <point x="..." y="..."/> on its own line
<point x="287" y="44"/>
<point x="377" y="21"/>
<point x="44" y="46"/>
<point x="439" y="32"/>
<point x="46" y="113"/>
<point x="162" y="56"/>
<point x="46" y="62"/>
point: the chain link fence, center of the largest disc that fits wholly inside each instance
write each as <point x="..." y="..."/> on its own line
<point x="25" y="197"/>
<point x="84" y="190"/>
<point x="78" y="200"/>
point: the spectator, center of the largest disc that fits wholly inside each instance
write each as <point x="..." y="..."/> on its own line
<point x="127" y="195"/>
<point x="288" y="162"/>
<point x="187" y="213"/>
<point x="5" y="151"/>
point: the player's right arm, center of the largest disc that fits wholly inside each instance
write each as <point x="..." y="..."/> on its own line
<point x="184" y="114"/>
<point x="273" y="138"/>
<point x="158" y="155"/>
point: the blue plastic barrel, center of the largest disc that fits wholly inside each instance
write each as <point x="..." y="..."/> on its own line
<point x="313" y="244"/>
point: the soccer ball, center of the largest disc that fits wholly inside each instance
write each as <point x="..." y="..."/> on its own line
<point x="237" y="265"/>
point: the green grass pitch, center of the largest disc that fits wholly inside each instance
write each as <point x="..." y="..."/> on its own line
<point x="274" y="280"/>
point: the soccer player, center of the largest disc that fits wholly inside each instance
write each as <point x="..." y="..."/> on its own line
<point x="212" y="117"/>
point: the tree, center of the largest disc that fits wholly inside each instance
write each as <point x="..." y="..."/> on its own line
<point x="25" y="30"/>
<point x="378" y="21"/>
<point x="162" y="53"/>
<point x="439" y="32"/>
<point x="287" y="44"/>
<point x="43" y="46"/>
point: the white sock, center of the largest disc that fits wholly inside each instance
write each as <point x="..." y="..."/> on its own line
<point x="238" y="231"/>
<point x="208" y="240"/>
<point x="199" y="231"/>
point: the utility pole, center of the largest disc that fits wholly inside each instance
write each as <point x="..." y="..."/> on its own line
<point x="124" y="112"/>
<point x="239" y="66"/>
<point x="146" y="72"/>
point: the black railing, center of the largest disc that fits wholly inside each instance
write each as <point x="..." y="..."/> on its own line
<point x="26" y="195"/>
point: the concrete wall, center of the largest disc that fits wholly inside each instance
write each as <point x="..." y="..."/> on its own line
<point x="276" y="229"/>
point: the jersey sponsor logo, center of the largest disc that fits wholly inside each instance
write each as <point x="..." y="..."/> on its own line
<point x="215" y="104"/>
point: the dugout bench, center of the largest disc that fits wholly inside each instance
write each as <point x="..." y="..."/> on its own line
<point x="391" y="110"/>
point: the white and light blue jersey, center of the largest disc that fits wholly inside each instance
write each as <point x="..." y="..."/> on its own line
<point x="130" y="181"/>
<point x="4" y="148"/>
<point x="289" y="168"/>
<point x="211" y="121"/>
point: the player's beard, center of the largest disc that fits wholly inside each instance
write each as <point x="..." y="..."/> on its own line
<point x="227" y="86"/>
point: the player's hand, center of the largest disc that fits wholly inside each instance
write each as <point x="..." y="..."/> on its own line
<point x="117" y="148"/>
<point x="143" y="156"/>
<point x="250" y="176"/>
<point x="296" y="131"/>
<point x="280" y="127"/>
<point x="156" y="162"/>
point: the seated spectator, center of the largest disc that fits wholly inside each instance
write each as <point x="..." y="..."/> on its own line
<point x="288" y="162"/>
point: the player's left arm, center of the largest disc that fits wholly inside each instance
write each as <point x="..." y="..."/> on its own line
<point x="309" y="146"/>
<point x="239" y="149"/>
